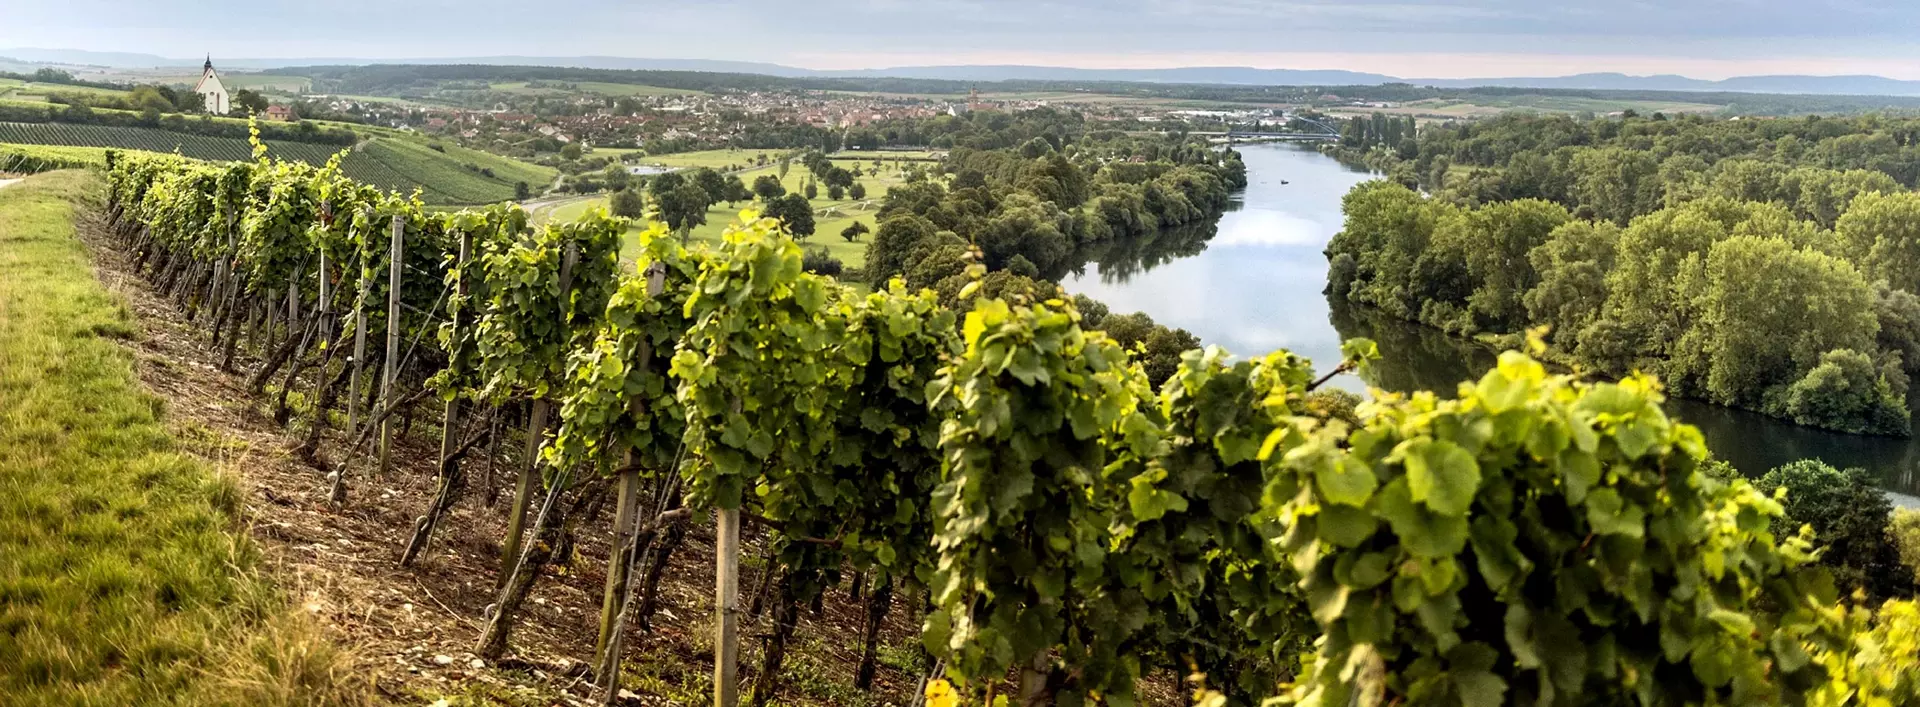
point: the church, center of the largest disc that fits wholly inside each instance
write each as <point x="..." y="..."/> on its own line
<point x="212" y="91"/>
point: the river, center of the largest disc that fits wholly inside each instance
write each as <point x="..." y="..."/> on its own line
<point x="1253" y="281"/>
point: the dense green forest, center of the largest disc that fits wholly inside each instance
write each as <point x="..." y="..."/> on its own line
<point x="1762" y="264"/>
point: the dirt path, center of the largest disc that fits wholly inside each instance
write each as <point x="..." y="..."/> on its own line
<point x="6" y="182"/>
<point x="413" y="628"/>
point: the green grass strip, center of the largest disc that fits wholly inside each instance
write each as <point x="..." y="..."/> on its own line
<point x="123" y="580"/>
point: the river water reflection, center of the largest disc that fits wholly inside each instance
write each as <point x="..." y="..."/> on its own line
<point x="1252" y="283"/>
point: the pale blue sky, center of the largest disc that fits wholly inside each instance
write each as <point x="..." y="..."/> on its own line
<point x="1415" y="38"/>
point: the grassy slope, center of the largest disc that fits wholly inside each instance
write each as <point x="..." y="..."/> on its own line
<point x="402" y="164"/>
<point x="16" y="89"/>
<point x="827" y="224"/>
<point x="157" y="140"/>
<point x="391" y="159"/>
<point x="122" y="580"/>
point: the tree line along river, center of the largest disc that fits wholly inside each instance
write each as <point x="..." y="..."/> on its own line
<point x="1254" y="281"/>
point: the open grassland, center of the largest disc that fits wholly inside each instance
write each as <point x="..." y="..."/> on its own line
<point x="122" y="579"/>
<point x="890" y="155"/>
<point x="237" y="81"/>
<point x="33" y="91"/>
<point x="1485" y="106"/>
<point x="716" y="159"/>
<point x="616" y="90"/>
<point x="830" y="216"/>
<point x="449" y="174"/>
<point x="389" y="100"/>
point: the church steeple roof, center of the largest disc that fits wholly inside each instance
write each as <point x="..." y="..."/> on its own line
<point x="209" y="66"/>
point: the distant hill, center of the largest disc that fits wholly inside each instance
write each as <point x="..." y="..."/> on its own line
<point x="1225" y="75"/>
<point x="1240" y="75"/>
<point x="1825" y="85"/>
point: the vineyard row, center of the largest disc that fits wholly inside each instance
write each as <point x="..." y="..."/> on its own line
<point x="1539" y="539"/>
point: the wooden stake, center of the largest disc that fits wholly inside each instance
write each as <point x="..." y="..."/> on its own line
<point x="523" y="491"/>
<point x="391" y="369"/>
<point x="726" y="600"/>
<point x="628" y="540"/>
<point x="451" y="480"/>
<point x="359" y="357"/>
<point x="536" y="433"/>
<point x="619" y="560"/>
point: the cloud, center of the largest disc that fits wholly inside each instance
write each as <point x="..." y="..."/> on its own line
<point x="838" y="32"/>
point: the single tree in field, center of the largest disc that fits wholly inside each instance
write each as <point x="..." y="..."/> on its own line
<point x="571" y="151"/>
<point x="838" y="176"/>
<point x="736" y="191"/>
<point x="246" y="102"/>
<point x="795" y="212"/>
<point x="661" y="185"/>
<point x="522" y="192"/>
<point x="812" y="191"/>
<point x="857" y="191"/>
<point x="628" y="203"/>
<point x="710" y="182"/>
<point x="836" y="192"/>
<point x="768" y="188"/>
<point x="615" y="176"/>
<point x="685" y="208"/>
<point x="854" y="232"/>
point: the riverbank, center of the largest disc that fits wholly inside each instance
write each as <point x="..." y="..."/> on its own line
<point x="125" y="577"/>
<point x="1258" y="284"/>
<point x="1418" y="357"/>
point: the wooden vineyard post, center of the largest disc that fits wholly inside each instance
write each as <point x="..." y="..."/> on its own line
<point x="325" y="312"/>
<point x="390" y="369"/>
<point x="626" y="549"/>
<point x="536" y="432"/>
<point x="726" y="604"/>
<point x="232" y="294"/>
<point x="523" y="490"/>
<point x="619" y="560"/>
<point x="326" y="284"/>
<point x="359" y="351"/>
<point x="293" y="311"/>
<point x="726" y="608"/>
<point x="450" y="478"/>
<point x="359" y="357"/>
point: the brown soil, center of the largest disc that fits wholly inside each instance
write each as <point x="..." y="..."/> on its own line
<point x="413" y="629"/>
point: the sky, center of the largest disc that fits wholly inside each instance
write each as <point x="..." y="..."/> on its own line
<point x="1708" y="39"/>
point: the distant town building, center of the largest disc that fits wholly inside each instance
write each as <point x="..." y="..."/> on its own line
<point x="212" y="92"/>
<point x="279" y="112"/>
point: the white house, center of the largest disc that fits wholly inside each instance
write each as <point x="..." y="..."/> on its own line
<point x="210" y="89"/>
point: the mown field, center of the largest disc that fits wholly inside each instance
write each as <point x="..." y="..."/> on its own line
<point x="449" y="174"/>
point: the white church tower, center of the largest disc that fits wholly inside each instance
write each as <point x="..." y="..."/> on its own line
<point x="212" y="90"/>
